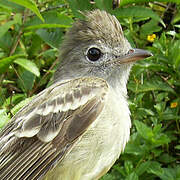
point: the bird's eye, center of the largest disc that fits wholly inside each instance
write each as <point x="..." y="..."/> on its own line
<point x="93" y="54"/>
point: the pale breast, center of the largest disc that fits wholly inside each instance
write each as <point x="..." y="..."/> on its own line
<point x="97" y="150"/>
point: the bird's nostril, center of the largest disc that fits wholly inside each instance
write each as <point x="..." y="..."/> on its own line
<point x="130" y="51"/>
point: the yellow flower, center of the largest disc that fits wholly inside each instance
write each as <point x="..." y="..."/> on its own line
<point x="151" y="37"/>
<point x="173" y="104"/>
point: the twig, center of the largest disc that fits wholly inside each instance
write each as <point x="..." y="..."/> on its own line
<point x="165" y="79"/>
<point x="14" y="46"/>
<point x="163" y="5"/>
<point x="1" y="78"/>
<point x="37" y="86"/>
<point x="18" y="76"/>
<point x="19" y="36"/>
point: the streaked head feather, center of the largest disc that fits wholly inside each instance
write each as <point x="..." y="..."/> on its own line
<point x="97" y="26"/>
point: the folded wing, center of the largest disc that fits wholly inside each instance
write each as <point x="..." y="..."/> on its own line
<point x="41" y="134"/>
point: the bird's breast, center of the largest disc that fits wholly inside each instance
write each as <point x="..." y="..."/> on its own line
<point x="97" y="150"/>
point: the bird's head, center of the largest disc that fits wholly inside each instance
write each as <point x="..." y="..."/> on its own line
<point x="97" y="47"/>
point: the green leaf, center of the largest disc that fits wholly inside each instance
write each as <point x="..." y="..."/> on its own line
<point x="18" y="18"/>
<point x="79" y="5"/>
<point x="53" y="38"/>
<point x="35" y="47"/>
<point x="128" y="166"/>
<point x="135" y="149"/>
<point x="142" y="168"/>
<point x="169" y="116"/>
<point x="160" y="107"/>
<point x="16" y="8"/>
<point x="132" y="176"/>
<point x="177" y="25"/>
<point x="157" y="128"/>
<point x="155" y="168"/>
<point x="3" y="118"/>
<point x="3" y="93"/>
<point x="26" y="80"/>
<point x="40" y="26"/>
<point x="152" y="66"/>
<point x="30" y="4"/>
<point x="6" y="42"/>
<point x="5" y="27"/>
<point x="28" y="65"/>
<point x="132" y="12"/>
<point x="154" y="137"/>
<point x="5" y="62"/>
<point x="168" y="174"/>
<point x="52" y="20"/>
<point x="13" y="100"/>
<point x="150" y="27"/>
<point x="153" y="85"/>
<point x="143" y="130"/>
<point x="174" y="53"/>
<point x="166" y="158"/>
<point x="104" y="5"/>
<point x="125" y="2"/>
<point x="177" y="147"/>
<point x="5" y="8"/>
<point x="176" y="18"/>
<point x="161" y="96"/>
<point x="21" y="104"/>
<point x="108" y="177"/>
<point x="146" y="111"/>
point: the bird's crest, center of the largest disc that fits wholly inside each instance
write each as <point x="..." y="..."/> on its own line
<point x="97" y="26"/>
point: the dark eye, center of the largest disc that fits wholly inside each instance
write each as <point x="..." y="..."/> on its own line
<point x="93" y="54"/>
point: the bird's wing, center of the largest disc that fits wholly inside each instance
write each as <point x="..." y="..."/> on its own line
<point x="40" y="134"/>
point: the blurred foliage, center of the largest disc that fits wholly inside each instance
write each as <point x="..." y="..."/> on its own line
<point x="30" y="35"/>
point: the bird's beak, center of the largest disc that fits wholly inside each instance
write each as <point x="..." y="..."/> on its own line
<point x="133" y="55"/>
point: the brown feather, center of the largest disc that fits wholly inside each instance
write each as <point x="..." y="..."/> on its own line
<point x="31" y="157"/>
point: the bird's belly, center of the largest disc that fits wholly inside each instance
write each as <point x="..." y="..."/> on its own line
<point x="97" y="150"/>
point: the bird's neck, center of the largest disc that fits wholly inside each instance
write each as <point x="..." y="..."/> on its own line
<point x="118" y="81"/>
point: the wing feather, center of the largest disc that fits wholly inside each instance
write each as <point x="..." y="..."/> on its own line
<point x="41" y="133"/>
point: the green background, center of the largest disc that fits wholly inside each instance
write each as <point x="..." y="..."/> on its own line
<point x="30" y="36"/>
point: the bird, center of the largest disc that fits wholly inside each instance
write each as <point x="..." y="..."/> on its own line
<point x="76" y="128"/>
